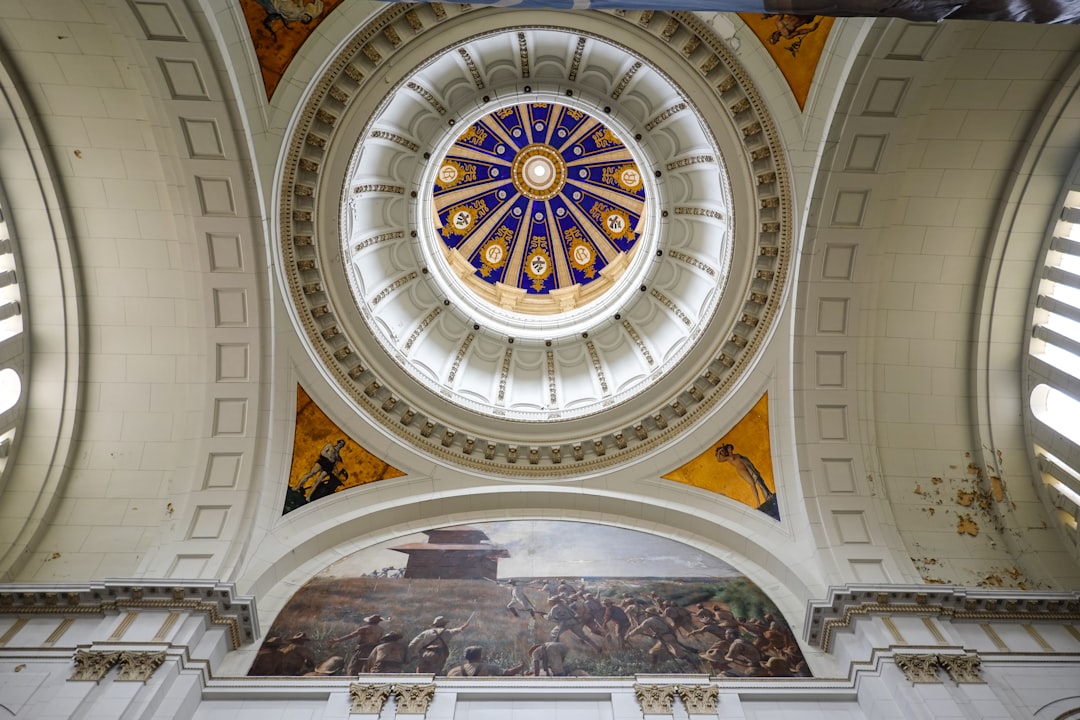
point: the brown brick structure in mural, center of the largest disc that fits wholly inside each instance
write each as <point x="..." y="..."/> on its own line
<point x="459" y="552"/>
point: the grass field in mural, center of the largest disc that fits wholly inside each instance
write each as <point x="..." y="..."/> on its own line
<point x="665" y="619"/>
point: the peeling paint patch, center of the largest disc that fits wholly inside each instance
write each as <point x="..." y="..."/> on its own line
<point x="964" y="498"/>
<point x="925" y="567"/>
<point x="936" y="480"/>
<point x="966" y="526"/>
<point x="1012" y="577"/>
<point x="997" y="488"/>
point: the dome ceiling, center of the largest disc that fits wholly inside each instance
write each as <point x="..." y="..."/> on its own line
<point x="542" y="199"/>
<point x="545" y="266"/>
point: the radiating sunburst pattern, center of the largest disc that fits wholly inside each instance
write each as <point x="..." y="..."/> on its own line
<point x="540" y="197"/>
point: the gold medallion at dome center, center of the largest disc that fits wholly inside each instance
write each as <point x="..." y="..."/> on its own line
<point x="538" y="172"/>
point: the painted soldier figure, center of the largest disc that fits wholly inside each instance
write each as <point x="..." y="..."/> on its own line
<point x="566" y="619"/>
<point x="367" y="636"/>
<point x="431" y="648"/>
<point x="388" y="655"/>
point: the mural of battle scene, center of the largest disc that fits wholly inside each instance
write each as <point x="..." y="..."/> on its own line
<point x="530" y="597"/>
<point x="738" y="465"/>
<point x="325" y="459"/>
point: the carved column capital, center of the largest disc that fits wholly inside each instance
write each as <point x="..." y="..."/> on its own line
<point x="699" y="699"/>
<point x="139" y="665"/>
<point x="918" y="668"/>
<point x="962" y="668"/>
<point x="93" y="664"/>
<point x="655" y="699"/>
<point x="414" y="699"/>
<point x="367" y="699"/>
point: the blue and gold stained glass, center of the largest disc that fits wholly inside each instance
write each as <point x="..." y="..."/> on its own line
<point x="539" y="196"/>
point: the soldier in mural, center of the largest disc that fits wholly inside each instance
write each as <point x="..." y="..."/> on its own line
<point x="368" y="635"/>
<point x="474" y="665"/>
<point x="549" y="659"/>
<point x="621" y="622"/>
<point x="388" y="655"/>
<point x="665" y="643"/>
<point x="430" y="649"/>
<point x="566" y="619"/>
<point x="518" y="599"/>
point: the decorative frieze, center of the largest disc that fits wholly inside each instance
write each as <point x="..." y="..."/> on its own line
<point x="575" y="64"/>
<point x="659" y="119"/>
<point x="625" y="80"/>
<point x="523" y="54"/>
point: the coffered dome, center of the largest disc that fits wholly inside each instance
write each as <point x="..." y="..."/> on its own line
<point x="547" y="263"/>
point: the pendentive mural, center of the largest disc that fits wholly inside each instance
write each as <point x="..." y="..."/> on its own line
<point x="738" y="465"/>
<point x="278" y="28"/>
<point x="795" y="43"/>
<point x="530" y="597"/>
<point x="325" y="459"/>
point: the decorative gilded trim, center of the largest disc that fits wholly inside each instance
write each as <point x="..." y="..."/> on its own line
<point x="626" y="78"/>
<point x="523" y="54"/>
<point x="575" y="64"/>
<point x="12" y="631"/>
<point x="166" y="627"/>
<point x="122" y="627"/>
<point x="56" y="634"/>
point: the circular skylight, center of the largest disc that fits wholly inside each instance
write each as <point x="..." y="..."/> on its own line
<point x="539" y="221"/>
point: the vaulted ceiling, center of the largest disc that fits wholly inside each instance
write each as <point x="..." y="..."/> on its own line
<point x="878" y="274"/>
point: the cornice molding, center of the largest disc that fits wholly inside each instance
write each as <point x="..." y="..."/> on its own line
<point x="218" y="601"/>
<point x="844" y="605"/>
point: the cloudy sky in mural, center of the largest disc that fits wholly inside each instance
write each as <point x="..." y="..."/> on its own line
<point x="554" y="548"/>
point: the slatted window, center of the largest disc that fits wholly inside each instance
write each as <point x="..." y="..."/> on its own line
<point x="12" y="341"/>
<point x="1054" y="366"/>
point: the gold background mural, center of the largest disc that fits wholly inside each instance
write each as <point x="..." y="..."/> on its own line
<point x="749" y="439"/>
<point x="795" y="43"/>
<point x="315" y="434"/>
<point x="278" y="28"/>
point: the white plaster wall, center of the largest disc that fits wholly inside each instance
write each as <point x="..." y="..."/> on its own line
<point x="168" y="335"/>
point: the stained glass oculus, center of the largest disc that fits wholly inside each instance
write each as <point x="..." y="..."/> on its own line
<point x="538" y="200"/>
